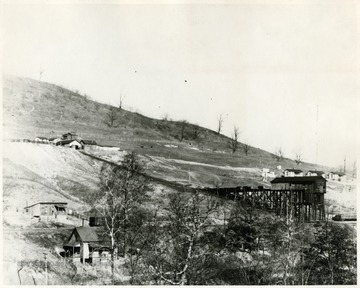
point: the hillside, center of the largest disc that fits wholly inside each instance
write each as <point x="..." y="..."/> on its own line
<point x="32" y="108"/>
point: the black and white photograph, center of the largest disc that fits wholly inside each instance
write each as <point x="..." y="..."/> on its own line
<point x="180" y="142"/>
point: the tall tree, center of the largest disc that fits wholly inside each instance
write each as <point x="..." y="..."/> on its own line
<point x="121" y="192"/>
<point x="121" y="101"/>
<point x="111" y="116"/>
<point x="183" y="124"/>
<point x="331" y="258"/>
<point x="220" y="122"/>
<point x="298" y="158"/>
<point x="179" y="253"/>
<point x="234" y="144"/>
<point x="279" y="154"/>
<point x="246" y="147"/>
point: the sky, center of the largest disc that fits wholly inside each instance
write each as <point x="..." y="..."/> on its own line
<point x="284" y="72"/>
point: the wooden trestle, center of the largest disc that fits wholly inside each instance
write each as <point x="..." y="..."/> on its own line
<point x="295" y="202"/>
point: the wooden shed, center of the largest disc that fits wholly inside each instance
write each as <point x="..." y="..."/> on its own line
<point x="47" y="210"/>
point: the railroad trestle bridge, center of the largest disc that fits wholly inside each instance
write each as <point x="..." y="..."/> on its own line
<point x="302" y="204"/>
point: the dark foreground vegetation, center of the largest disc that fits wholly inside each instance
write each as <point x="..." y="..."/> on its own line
<point x="201" y="240"/>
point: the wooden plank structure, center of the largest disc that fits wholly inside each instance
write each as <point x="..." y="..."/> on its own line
<point x="301" y="197"/>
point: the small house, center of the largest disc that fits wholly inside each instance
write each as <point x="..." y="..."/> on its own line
<point x="315" y="173"/>
<point x="42" y="139"/>
<point x="293" y="173"/>
<point x="47" y="211"/>
<point x="54" y="140"/>
<point x="266" y="173"/>
<point x="86" y="245"/>
<point x="69" y="136"/>
<point x="63" y="142"/>
<point x="75" y="144"/>
<point x="337" y="176"/>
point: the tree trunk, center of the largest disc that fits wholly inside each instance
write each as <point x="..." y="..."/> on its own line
<point x="112" y="259"/>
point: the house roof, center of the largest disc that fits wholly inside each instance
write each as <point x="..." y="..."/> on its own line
<point x="70" y="133"/>
<point x="338" y="173"/>
<point x="296" y="180"/>
<point x="87" y="234"/>
<point x="64" y="142"/>
<point x="54" y="203"/>
<point x="294" y="170"/>
<point x="317" y="172"/>
<point x="43" y="138"/>
<point x="89" y="142"/>
<point x="74" y="140"/>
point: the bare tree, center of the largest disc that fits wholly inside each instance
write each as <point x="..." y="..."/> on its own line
<point x="298" y="158"/>
<point x="196" y="132"/>
<point x="279" y="154"/>
<point x="220" y="122"/>
<point x="121" y="192"/>
<point x="179" y="254"/>
<point x="234" y="144"/>
<point x="111" y="116"/>
<point x="121" y="101"/>
<point x="183" y="124"/>
<point x="165" y="117"/>
<point x="246" y="147"/>
<point x="40" y="74"/>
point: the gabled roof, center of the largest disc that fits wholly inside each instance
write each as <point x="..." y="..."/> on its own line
<point x="64" y="142"/>
<point x="54" y="203"/>
<point x="42" y="138"/>
<point x="92" y="235"/>
<point x="87" y="234"/>
<point x="294" y="170"/>
<point x="317" y="172"/>
<point x="89" y="142"/>
<point x="70" y="133"/>
<point x="297" y="180"/>
<point x="75" y="140"/>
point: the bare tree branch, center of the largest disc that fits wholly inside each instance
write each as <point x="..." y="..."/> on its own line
<point x="279" y="154"/>
<point x="246" y="147"/>
<point x="111" y="116"/>
<point x="234" y="144"/>
<point x="220" y="122"/>
<point x="298" y="158"/>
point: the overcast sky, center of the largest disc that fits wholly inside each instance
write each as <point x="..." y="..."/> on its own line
<point x="266" y="66"/>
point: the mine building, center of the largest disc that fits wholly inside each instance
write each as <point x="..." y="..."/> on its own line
<point x="309" y="198"/>
<point x="47" y="211"/>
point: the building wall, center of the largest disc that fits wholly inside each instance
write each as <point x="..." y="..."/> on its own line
<point x="314" y="191"/>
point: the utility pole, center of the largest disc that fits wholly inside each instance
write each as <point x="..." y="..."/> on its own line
<point x="46" y="269"/>
<point x="40" y="74"/>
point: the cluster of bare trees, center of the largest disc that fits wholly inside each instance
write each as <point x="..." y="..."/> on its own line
<point x="112" y="114"/>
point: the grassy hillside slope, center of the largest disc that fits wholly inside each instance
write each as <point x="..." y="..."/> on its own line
<point x="32" y="108"/>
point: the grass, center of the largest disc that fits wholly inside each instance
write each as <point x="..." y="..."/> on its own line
<point x="33" y="108"/>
